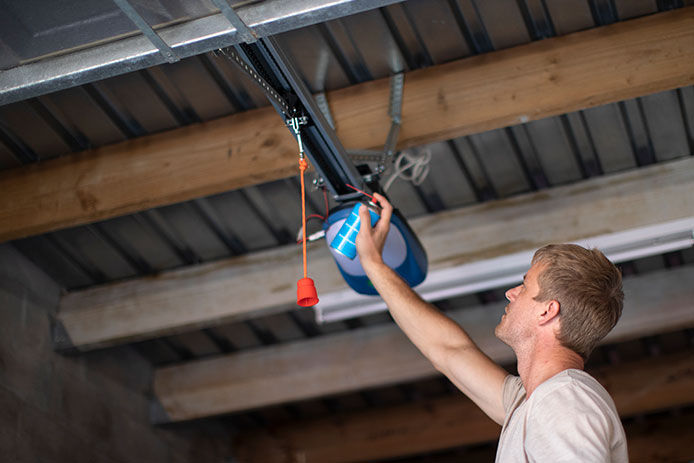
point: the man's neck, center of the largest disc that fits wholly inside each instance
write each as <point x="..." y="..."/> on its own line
<point x="537" y="365"/>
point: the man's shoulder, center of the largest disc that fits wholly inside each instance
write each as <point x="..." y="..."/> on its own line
<point x="571" y="378"/>
<point x="573" y="388"/>
<point x="579" y="414"/>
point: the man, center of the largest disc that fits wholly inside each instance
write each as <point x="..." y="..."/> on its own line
<point x="570" y="298"/>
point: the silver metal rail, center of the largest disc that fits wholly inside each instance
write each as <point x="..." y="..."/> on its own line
<point x="191" y="38"/>
<point x="266" y="62"/>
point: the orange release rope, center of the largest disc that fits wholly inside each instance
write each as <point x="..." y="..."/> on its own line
<point x="306" y="294"/>
<point x="303" y="165"/>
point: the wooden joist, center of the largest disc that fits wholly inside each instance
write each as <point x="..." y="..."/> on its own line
<point x="248" y="286"/>
<point x="637" y="387"/>
<point x="661" y="438"/>
<point x="499" y="89"/>
<point x="382" y="355"/>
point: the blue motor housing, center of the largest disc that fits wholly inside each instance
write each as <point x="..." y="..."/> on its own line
<point x="402" y="252"/>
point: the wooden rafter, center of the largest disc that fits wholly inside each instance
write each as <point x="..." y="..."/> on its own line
<point x="637" y="387"/>
<point x="247" y="286"/>
<point x="382" y="355"/>
<point x="499" y="89"/>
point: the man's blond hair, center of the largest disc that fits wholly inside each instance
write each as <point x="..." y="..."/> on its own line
<point x="588" y="288"/>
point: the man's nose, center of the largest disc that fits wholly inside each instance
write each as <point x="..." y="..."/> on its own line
<point x="511" y="293"/>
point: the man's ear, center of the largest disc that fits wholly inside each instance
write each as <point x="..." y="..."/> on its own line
<point x="551" y="311"/>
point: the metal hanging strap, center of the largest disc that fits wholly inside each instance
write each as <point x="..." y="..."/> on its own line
<point x="395" y="113"/>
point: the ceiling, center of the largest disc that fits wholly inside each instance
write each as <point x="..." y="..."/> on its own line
<point x="76" y="78"/>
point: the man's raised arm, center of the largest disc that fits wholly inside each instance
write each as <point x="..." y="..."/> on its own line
<point x="438" y="337"/>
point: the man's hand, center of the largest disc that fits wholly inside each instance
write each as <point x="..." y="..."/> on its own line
<point x="370" y="241"/>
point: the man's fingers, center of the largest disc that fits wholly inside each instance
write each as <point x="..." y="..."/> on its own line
<point x="382" y="201"/>
<point x="386" y="213"/>
<point x="364" y="218"/>
<point x="387" y="208"/>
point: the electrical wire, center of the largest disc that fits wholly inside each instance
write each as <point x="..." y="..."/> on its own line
<point x="323" y="218"/>
<point x="313" y="236"/>
<point x="418" y="164"/>
<point x="363" y="192"/>
<point x="327" y="208"/>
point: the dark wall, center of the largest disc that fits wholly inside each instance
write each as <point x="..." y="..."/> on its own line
<point x="81" y="408"/>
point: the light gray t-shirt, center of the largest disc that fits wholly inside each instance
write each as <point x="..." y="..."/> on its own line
<point x="568" y="418"/>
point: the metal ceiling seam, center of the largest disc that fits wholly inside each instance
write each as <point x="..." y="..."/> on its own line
<point x="187" y="39"/>
<point x="570" y="138"/>
<point x="685" y="120"/>
<point x="465" y="172"/>
<point x="596" y="164"/>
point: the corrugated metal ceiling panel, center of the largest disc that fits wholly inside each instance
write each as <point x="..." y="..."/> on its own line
<point x="495" y="164"/>
<point x="31" y="30"/>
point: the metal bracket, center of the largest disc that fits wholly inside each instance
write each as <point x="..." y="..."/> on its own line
<point x="395" y="112"/>
<point x="366" y="155"/>
<point x="324" y="107"/>
<point x="295" y="124"/>
<point x="247" y="34"/>
<point x="166" y="51"/>
<point x="397" y="84"/>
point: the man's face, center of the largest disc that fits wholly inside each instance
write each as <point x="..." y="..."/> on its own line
<point x="520" y="314"/>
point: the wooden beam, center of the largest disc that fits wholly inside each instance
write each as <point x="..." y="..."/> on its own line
<point x="178" y="165"/>
<point x="663" y="438"/>
<point x="525" y="83"/>
<point x="498" y="89"/>
<point x="637" y="387"/>
<point x="261" y="283"/>
<point x="382" y="355"/>
<point x="372" y="435"/>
